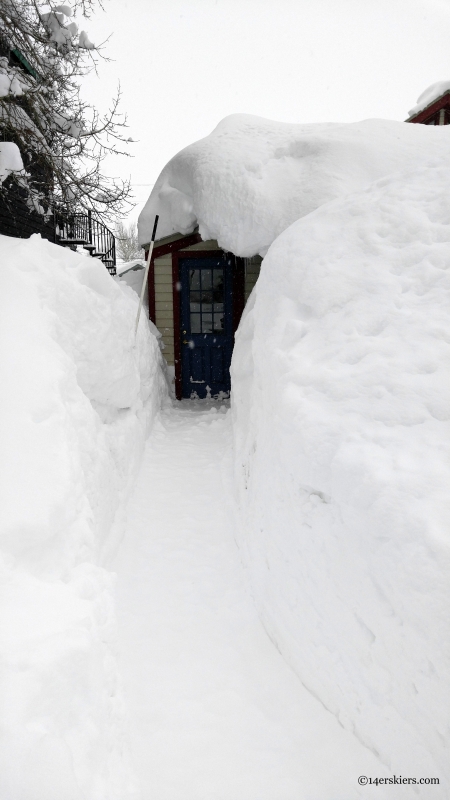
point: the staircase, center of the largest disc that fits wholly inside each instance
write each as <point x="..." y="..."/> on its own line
<point x="82" y="230"/>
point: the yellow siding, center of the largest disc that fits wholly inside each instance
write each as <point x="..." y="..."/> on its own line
<point x="252" y="269"/>
<point x="164" y="304"/>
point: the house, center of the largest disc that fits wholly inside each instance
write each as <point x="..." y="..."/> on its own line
<point x="433" y="106"/>
<point x="197" y="293"/>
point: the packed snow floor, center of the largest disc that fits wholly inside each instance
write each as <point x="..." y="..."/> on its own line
<point x="215" y="713"/>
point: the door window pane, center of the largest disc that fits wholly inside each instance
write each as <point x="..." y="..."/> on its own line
<point x="194" y="279"/>
<point x="195" y="323"/>
<point x="206" y="278"/>
<point x="206" y="300"/>
<point x="218" y="286"/>
<point x="195" y="301"/>
<point x="207" y="323"/>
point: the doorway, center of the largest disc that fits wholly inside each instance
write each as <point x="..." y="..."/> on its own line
<point x="206" y="318"/>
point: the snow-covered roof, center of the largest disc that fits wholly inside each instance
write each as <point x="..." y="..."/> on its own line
<point x="430" y="95"/>
<point x="128" y="266"/>
<point x="251" y="178"/>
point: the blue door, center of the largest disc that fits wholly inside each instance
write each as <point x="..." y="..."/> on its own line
<point x="206" y="325"/>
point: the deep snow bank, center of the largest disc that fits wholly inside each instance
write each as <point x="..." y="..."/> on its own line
<point x="251" y="178"/>
<point x="341" y="411"/>
<point x="77" y="400"/>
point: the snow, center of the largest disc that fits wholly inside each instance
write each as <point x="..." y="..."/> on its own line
<point x="135" y="264"/>
<point x="340" y="398"/>
<point x="63" y="32"/>
<point x="10" y="84"/>
<point x="66" y="10"/>
<point x="325" y="656"/>
<point x="132" y="273"/>
<point x="429" y="96"/>
<point x="80" y="400"/>
<point x="215" y="713"/>
<point x="11" y="81"/>
<point x="84" y="41"/>
<point x="16" y="116"/>
<point x="251" y="178"/>
<point x="10" y="160"/>
<point x="340" y="379"/>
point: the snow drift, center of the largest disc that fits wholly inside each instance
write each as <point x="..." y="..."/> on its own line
<point x="251" y="177"/>
<point x="77" y="402"/>
<point x="341" y="405"/>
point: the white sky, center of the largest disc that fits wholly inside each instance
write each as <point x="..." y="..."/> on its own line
<point x="183" y="65"/>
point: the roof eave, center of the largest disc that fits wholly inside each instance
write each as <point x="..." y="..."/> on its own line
<point x="431" y="108"/>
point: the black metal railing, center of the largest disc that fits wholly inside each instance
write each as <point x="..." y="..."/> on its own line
<point x="73" y="230"/>
<point x="59" y="226"/>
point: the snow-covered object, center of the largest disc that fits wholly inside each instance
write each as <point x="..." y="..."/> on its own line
<point x="66" y="10"/>
<point x="84" y="41"/>
<point x="71" y="127"/>
<point x="12" y="81"/>
<point x="18" y="117"/>
<point x="251" y="178"/>
<point x="10" y="84"/>
<point x="132" y="273"/>
<point x="77" y="400"/>
<point x="341" y="406"/>
<point x="59" y="32"/>
<point x="62" y="32"/>
<point x="429" y="96"/>
<point x="10" y="160"/>
<point x="136" y="264"/>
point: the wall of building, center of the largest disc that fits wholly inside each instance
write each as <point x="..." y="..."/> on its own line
<point x="164" y="297"/>
<point x="252" y="269"/>
<point x="164" y="304"/>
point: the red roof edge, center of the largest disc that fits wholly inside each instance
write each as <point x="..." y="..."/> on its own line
<point x="442" y="102"/>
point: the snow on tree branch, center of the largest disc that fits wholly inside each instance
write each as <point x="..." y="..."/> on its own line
<point x="62" y="139"/>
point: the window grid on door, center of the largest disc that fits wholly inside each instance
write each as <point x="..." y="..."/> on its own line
<point x="206" y="300"/>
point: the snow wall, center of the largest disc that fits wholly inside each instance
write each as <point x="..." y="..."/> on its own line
<point x="340" y="406"/>
<point x="341" y="412"/>
<point x="77" y="402"/>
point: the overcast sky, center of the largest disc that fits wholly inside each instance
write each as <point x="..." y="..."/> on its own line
<point x="183" y="65"/>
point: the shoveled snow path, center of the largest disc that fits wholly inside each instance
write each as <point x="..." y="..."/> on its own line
<point x="215" y="713"/>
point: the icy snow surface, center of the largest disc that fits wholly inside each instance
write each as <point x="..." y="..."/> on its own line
<point x="76" y="403"/>
<point x="341" y="403"/>
<point x="251" y="178"/>
<point x="215" y="713"/>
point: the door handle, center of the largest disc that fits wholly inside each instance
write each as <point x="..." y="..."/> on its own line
<point x="185" y="341"/>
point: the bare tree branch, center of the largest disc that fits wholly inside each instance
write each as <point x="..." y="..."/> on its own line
<point x="62" y="139"/>
<point x="127" y="244"/>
